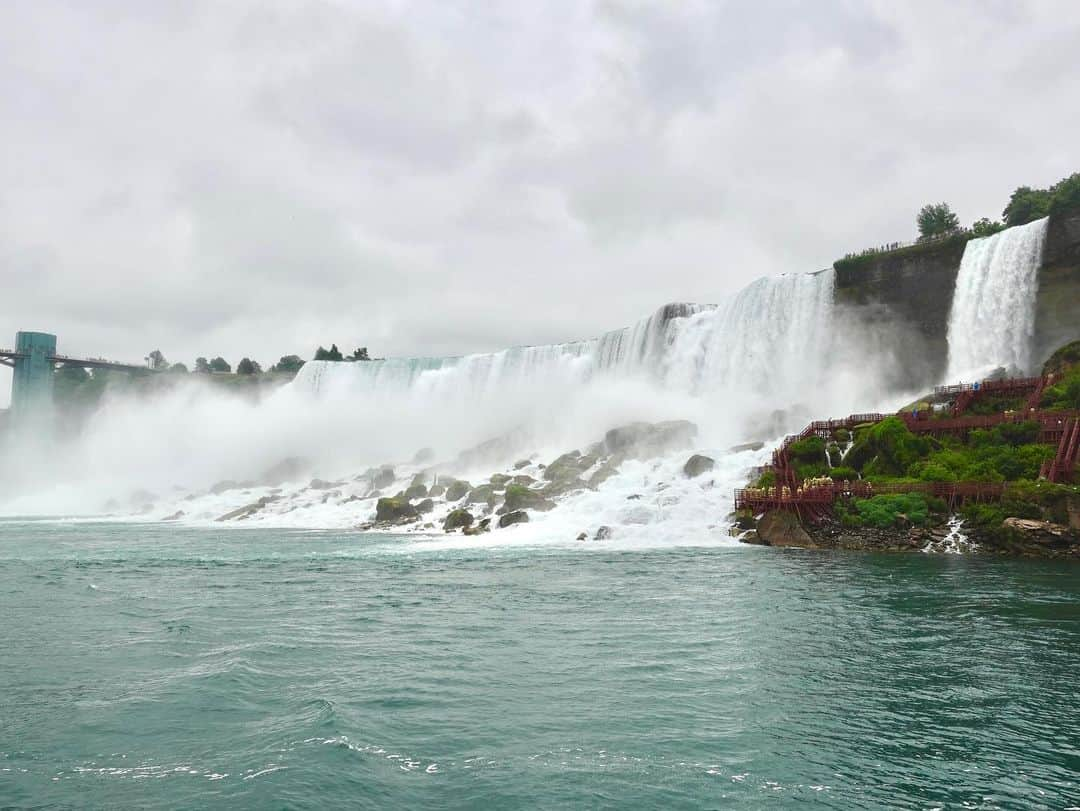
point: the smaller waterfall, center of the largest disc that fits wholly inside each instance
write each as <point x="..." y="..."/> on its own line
<point x="993" y="311"/>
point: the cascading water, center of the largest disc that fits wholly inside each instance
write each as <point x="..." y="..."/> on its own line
<point x="772" y="338"/>
<point x="993" y="311"/>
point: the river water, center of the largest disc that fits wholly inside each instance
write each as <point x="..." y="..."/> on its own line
<point x="167" y="667"/>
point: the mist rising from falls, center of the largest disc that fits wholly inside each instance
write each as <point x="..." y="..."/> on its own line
<point x="750" y="368"/>
<point x="993" y="311"/>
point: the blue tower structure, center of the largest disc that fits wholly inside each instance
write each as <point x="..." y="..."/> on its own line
<point x="32" y="380"/>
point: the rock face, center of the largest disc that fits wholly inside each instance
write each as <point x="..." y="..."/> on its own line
<point x="519" y="497"/>
<point x="247" y="510"/>
<point x="647" y="439"/>
<point x="1059" y="287"/>
<point x="456" y="489"/>
<point x="515" y="517"/>
<point x="457" y="519"/>
<point x="416" y="491"/>
<point x="1044" y="532"/>
<point x="394" y="510"/>
<point x="602" y="534"/>
<point x="698" y="464"/>
<point x="779" y="528"/>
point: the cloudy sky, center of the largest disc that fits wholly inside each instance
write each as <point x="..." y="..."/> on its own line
<point x="256" y="178"/>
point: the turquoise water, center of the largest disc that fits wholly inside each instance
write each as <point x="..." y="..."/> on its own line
<point x="155" y="666"/>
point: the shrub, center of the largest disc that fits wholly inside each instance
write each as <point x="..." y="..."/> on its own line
<point x="936" y="220"/>
<point x="842" y="474"/>
<point x="884" y="511"/>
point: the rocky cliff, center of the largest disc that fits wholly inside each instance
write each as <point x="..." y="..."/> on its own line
<point x="910" y="293"/>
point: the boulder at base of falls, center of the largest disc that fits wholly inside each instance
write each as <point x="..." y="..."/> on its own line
<point x="457" y="519"/>
<point x="499" y="480"/>
<point x="322" y="484"/>
<point x="394" y="510"/>
<point x="520" y="463"/>
<point x="780" y="528"/>
<point x="483" y="494"/>
<point x="519" y="497"/>
<point x="646" y="439"/>
<point x="247" y="510"/>
<point x="515" y="517"/>
<point x="416" y="491"/>
<point x="436" y="490"/>
<point x="583" y="536"/>
<point x="425" y="506"/>
<point x="1044" y="532"/>
<point x="698" y="464"/>
<point x="456" y="489"/>
<point x="603" y="533"/>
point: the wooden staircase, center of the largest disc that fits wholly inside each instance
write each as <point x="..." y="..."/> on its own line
<point x="1062" y="466"/>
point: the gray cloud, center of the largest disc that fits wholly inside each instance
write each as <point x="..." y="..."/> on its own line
<point x="429" y="177"/>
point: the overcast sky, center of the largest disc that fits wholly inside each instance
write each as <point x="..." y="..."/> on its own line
<point x="256" y="178"/>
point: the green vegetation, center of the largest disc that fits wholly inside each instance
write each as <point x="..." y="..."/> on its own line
<point x="248" y="367"/>
<point x="986" y="227"/>
<point x="889" y="452"/>
<point x="333" y="353"/>
<point x="219" y="364"/>
<point x="854" y="262"/>
<point x="1064" y="358"/>
<point x="1027" y="204"/>
<point x="886" y="511"/>
<point x="1064" y="393"/>
<point x="808" y="457"/>
<point x="939" y="227"/>
<point x="936" y="220"/>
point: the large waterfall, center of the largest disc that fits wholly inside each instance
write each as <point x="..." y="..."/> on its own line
<point x="773" y="335"/>
<point x="993" y="311"/>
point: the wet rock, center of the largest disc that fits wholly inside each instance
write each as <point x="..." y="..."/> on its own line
<point x="565" y="467"/>
<point x="457" y="519"/>
<point x="1043" y="532"/>
<point x="515" y="517"/>
<point x="436" y="490"/>
<point x="746" y="446"/>
<point x="499" y="480"/>
<point x="483" y="494"/>
<point x="520" y="463"/>
<point x="519" y="497"/>
<point x="416" y="491"/>
<point x="602" y="534"/>
<point x="780" y="528"/>
<point x="633" y="497"/>
<point x="646" y="439"/>
<point x="247" y="510"/>
<point x="321" y="484"/>
<point x="608" y="469"/>
<point x="176" y="516"/>
<point x="382" y="477"/>
<point x="522" y="479"/>
<point x="394" y="510"/>
<point x="425" y="506"/>
<point x="457" y="489"/>
<point x="698" y="464"/>
<point x="582" y="536"/>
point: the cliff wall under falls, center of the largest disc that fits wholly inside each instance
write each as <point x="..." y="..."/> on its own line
<point x="911" y="295"/>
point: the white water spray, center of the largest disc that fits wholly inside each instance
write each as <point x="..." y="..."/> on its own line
<point x="993" y="311"/>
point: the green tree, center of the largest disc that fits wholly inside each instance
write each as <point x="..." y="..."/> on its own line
<point x="288" y="363"/>
<point x="1065" y="194"/>
<point x="178" y="369"/>
<point x="935" y="220"/>
<point x="202" y="366"/>
<point x="360" y="354"/>
<point x="157" y="360"/>
<point x="219" y="364"/>
<point x="986" y="227"/>
<point x="1025" y="205"/>
<point x="247" y="366"/>
<point x="333" y="353"/>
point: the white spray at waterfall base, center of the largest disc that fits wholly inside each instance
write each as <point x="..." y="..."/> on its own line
<point x="750" y="368"/>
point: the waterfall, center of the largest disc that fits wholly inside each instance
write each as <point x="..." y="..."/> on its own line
<point x="774" y="333"/>
<point x="993" y="311"/>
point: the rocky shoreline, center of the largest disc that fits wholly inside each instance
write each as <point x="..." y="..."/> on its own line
<point x="945" y="533"/>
